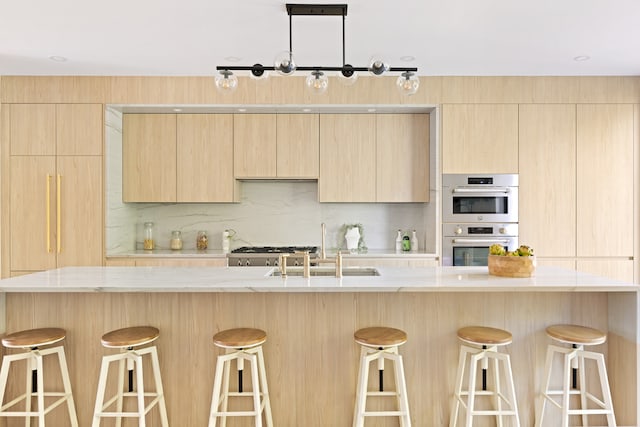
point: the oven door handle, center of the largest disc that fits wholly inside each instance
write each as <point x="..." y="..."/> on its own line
<point x="480" y="241"/>
<point x="498" y="190"/>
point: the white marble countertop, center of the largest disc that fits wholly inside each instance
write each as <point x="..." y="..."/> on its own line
<point x="218" y="253"/>
<point x="258" y="279"/>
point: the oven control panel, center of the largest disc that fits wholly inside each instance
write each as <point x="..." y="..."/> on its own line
<point x="480" y="230"/>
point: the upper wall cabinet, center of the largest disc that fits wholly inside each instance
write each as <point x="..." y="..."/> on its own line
<point x="205" y="158"/>
<point x="178" y="158"/>
<point x="347" y="158"/>
<point x="276" y="146"/>
<point x="149" y="158"/>
<point x="479" y="138"/>
<point x="374" y="158"/>
<point x="402" y="153"/>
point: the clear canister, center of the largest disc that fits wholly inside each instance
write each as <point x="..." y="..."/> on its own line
<point x="176" y="240"/>
<point x="202" y="241"/>
<point x="148" y="243"/>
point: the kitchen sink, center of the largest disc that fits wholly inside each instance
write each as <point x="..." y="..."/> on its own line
<point x="329" y="272"/>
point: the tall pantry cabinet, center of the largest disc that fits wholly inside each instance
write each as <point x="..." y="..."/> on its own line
<point x="55" y="186"/>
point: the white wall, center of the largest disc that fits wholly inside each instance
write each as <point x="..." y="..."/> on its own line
<point x="269" y="213"/>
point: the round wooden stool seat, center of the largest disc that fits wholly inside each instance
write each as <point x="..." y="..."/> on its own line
<point x="380" y="336"/>
<point x="34" y="337"/>
<point x="130" y="337"/>
<point x="575" y="334"/>
<point x="484" y="335"/>
<point x="240" y="338"/>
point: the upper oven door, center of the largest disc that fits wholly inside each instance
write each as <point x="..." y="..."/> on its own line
<point x="479" y="199"/>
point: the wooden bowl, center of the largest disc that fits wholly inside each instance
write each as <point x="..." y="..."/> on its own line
<point x="512" y="266"/>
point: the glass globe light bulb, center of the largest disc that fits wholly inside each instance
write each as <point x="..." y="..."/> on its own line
<point x="408" y="83"/>
<point x="226" y="81"/>
<point x="377" y="66"/>
<point x="284" y="63"/>
<point x="348" y="76"/>
<point x="317" y="82"/>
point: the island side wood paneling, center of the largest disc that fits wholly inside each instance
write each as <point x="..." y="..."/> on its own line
<point x="310" y="354"/>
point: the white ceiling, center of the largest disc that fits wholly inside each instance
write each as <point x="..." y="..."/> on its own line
<point x="446" y="37"/>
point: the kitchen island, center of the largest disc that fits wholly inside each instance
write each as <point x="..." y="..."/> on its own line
<point x="310" y="354"/>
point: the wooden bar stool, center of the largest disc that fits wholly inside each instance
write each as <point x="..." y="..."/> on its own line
<point x="572" y="367"/>
<point x="126" y="340"/>
<point x="32" y="340"/>
<point x="481" y="344"/>
<point x="378" y="344"/>
<point x="240" y="344"/>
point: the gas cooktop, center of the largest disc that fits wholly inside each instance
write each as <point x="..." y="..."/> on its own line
<point x="274" y="249"/>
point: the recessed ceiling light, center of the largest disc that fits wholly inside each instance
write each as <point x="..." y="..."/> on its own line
<point x="408" y="58"/>
<point x="371" y="110"/>
<point x="306" y="110"/>
<point x="581" y="58"/>
<point x="232" y="58"/>
<point x="242" y="110"/>
<point x="177" y="110"/>
<point x="58" y="58"/>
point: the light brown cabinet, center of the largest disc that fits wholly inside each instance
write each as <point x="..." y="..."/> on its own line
<point x="605" y="177"/>
<point x="547" y="164"/>
<point x="479" y="138"/>
<point x="165" y="262"/>
<point x="178" y="158"/>
<point x="282" y="146"/>
<point x="402" y="158"/>
<point x="205" y="158"/>
<point x="347" y="158"/>
<point x="374" y="158"/>
<point x="56" y="196"/>
<point x="149" y="158"/>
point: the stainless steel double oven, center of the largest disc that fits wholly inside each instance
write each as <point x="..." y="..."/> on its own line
<point x="478" y="211"/>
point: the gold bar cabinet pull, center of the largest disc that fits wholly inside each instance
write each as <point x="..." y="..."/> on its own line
<point x="58" y="213"/>
<point x="48" y="213"/>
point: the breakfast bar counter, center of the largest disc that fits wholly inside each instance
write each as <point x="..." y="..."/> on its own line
<point x="310" y="354"/>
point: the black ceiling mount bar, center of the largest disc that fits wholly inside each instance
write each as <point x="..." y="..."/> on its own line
<point x="294" y="9"/>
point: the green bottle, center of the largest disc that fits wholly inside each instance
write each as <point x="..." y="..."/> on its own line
<point x="406" y="243"/>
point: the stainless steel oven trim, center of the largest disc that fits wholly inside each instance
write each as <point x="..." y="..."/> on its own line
<point x="503" y="185"/>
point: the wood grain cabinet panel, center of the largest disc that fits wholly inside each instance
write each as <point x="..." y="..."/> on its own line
<point x="402" y="152"/>
<point x="205" y="158"/>
<point x="254" y="139"/>
<point x="347" y="158"/>
<point x="33" y="129"/>
<point x="480" y="138"/>
<point x="149" y="157"/>
<point x="547" y="164"/>
<point x="298" y="146"/>
<point x="55" y="201"/>
<point x="605" y="176"/>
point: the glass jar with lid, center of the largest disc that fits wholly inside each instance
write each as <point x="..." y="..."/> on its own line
<point x="176" y="240"/>
<point x="202" y="241"/>
<point x="148" y="242"/>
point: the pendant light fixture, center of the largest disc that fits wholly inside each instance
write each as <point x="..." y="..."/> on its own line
<point x="317" y="81"/>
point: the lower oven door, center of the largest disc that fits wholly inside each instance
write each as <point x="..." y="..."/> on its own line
<point x="470" y="251"/>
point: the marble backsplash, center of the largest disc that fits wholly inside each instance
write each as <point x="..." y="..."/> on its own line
<point x="269" y="213"/>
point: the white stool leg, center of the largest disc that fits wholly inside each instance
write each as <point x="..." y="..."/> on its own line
<point x="473" y="367"/>
<point x="582" y="386"/>
<point x="566" y="382"/>
<point x="509" y="383"/>
<point x="606" y="392"/>
<point x="31" y="366"/>
<point x="67" y="386"/>
<point x="457" y="394"/>
<point x="225" y="384"/>
<point x="497" y="394"/>
<point x="264" y="388"/>
<point x="162" y="407"/>
<point x="253" y="363"/>
<point x="139" y="389"/>
<point x="40" y="391"/>
<point x="102" y="383"/>
<point x="542" y="399"/>
<point x="361" y="393"/>
<point x="123" y="366"/>
<point x="401" y="389"/>
<point x="4" y="375"/>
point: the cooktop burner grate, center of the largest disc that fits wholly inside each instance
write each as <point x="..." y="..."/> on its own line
<point x="274" y="249"/>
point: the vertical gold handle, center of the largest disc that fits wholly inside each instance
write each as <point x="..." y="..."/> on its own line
<point x="48" y="213"/>
<point x="58" y="214"/>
